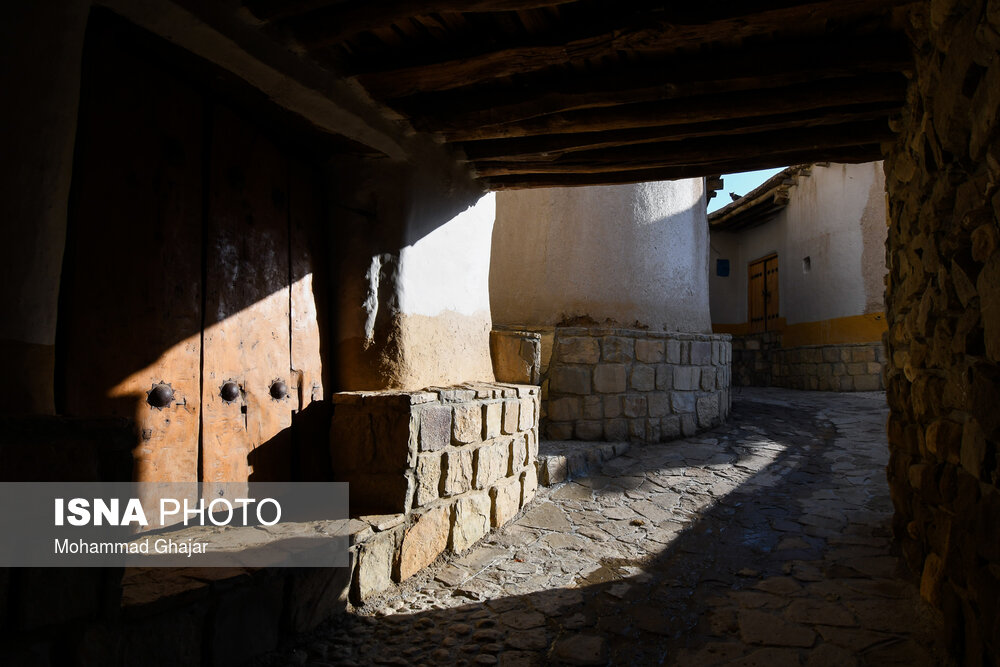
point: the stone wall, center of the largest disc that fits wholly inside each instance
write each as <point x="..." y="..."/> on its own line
<point x="943" y="306"/>
<point x="760" y="361"/>
<point x="635" y="385"/>
<point x="752" y="358"/>
<point x="431" y="471"/>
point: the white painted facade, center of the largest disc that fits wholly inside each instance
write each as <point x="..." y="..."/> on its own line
<point x="830" y="243"/>
<point x="633" y="254"/>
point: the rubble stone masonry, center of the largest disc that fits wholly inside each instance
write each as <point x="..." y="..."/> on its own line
<point x="943" y="306"/>
<point x="635" y="385"/>
<point x="760" y="361"/>
<point x="431" y="471"/>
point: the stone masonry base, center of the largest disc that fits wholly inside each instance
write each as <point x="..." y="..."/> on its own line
<point x="635" y="385"/>
<point x="431" y="471"/>
<point x="760" y="361"/>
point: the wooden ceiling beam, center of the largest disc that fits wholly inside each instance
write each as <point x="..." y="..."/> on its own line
<point x="773" y="65"/>
<point x="647" y="33"/>
<point x="341" y="18"/>
<point x="853" y="154"/>
<point x="550" y="146"/>
<point x="696" y="151"/>
<point x="749" y="104"/>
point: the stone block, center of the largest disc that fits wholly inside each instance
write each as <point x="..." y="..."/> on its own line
<point x="492" y="420"/>
<point x="490" y="462"/>
<point x="559" y="431"/>
<point x="686" y="378"/>
<point x="565" y="409"/>
<point x="658" y="404"/>
<point x="506" y="501"/>
<point x="643" y="378"/>
<point x="708" y="411"/>
<point x="593" y="407"/>
<point x="670" y="428"/>
<point x="682" y="402"/>
<point x="428" y="479"/>
<point x="673" y="352"/>
<point x="529" y="485"/>
<point x="467" y="423"/>
<point x="589" y="430"/>
<point x="458" y="472"/>
<point x="857" y="368"/>
<point x="424" y="541"/>
<point x="652" y="430"/>
<point x="526" y="418"/>
<point x="708" y="374"/>
<point x="612" y="407"/>
<point x="376" y="560"/>
<point x="615" y="349"/>
<point x="637" y="429"/>
<point x="609" y="378"/>
<point x="701" y="353"/>
<point x="578" y="350"/>
<point x="664" y="377"/>
<point x="649" y="351"/>
<point x="616" y="430"/>
<point x="518" y="454"/>
<point x="511" y="415"/>
<point x="831" y="354"/>
<point x="472" y="521"/>
<point x="570" y="380"/>
<point x="516" y="356"/>
<point x="435" y="428"/>
<point x="635" y="405"/>
<point x="688" y="426"/>
<point x="531" y="441"/>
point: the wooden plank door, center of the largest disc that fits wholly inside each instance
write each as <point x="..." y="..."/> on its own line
<point x="771" y="300"/>
<point x="248" y="321"/>
<point x="756" y="309"/>
<point x="130" y="307"/>
<point x="762" y="294"/>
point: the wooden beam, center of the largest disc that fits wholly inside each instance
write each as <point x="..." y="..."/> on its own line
<point x="553" y="145"/>
<point x="338" y="18"/>
<point x="650" y="32"/>
<point x="728" y="71"/>
<point x="850" y="155"/>
<point x="749" y="104"/>
<point x="695" y="151"/>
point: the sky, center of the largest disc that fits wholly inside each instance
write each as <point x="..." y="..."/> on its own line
<point x="740" y="184"/>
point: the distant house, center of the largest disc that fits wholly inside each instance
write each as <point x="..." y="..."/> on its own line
<point x="797" y="276"/>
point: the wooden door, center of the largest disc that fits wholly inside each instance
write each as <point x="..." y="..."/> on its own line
<point x="762" y="294"/>
<point x="770" y="293"/>
<point x="131" y="301"/>
<point x="188" y="279"/>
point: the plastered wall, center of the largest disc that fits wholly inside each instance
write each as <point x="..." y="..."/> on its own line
<point x="836" y="218"/>
<point x="629" y="254"/>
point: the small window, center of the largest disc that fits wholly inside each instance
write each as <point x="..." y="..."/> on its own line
<point x="722" y="267"/>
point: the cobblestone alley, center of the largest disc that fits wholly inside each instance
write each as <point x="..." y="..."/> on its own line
<point x="763" y="542"/>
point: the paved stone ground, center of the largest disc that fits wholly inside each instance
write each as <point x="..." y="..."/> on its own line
<point x="763" y="542"/>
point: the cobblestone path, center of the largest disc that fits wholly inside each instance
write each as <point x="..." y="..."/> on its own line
<point x="763" y="542"/>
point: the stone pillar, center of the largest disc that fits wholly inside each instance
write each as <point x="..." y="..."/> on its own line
<point x="943" y="305"/>
<point x="410" y="263"/>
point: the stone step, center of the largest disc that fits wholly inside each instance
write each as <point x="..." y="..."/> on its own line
<point x="563" y="460"/>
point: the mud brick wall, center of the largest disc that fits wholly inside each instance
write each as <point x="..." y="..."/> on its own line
<point x="438" y="469"/>
<point x="635" y="385"/>
<point x="943" y="306"/>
